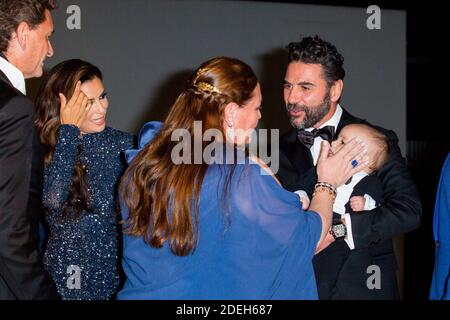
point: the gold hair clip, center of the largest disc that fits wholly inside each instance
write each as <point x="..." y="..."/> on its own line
<point x="206" y="87"/>
<point x="199" y="73"/>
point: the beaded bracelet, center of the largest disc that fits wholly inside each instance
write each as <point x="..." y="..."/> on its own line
<point x="325" y="187"/>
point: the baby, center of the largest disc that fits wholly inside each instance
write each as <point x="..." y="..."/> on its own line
<point x="363" y="191"/>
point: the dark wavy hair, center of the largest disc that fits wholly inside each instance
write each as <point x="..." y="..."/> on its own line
<point x="14" y="12"/>
<point x="315" y="50"/>
<point x="153" y="185"/>
<point x="63" y="78"/>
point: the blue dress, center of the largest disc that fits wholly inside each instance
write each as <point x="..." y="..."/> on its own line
<point x="440" y="286"/>
<point x="265" y="252"/>
<point x="82" y="253"/>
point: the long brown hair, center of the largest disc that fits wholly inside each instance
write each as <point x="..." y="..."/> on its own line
<point x="153" y="185"/>
<point x="62" y="79"/>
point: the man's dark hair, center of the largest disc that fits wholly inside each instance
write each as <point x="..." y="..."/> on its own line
<point x="13" y="12"/>
<point x="317" y="51"/>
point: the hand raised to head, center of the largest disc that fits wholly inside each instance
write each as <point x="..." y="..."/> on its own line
<point x="76" y="109"/>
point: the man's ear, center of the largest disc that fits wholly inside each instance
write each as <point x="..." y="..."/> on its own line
<point x="230" y="113"/>
<point x="22" y="35"/>
<point x="336" y="90"/>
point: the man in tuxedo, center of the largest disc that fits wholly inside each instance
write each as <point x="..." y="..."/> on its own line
<point x="313" y="86"/>
<point x="25" y="28"/>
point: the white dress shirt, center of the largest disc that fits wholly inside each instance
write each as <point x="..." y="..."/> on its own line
<point x="14" y="75"/>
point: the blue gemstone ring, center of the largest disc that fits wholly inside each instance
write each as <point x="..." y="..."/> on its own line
<point x="354" y="163"/>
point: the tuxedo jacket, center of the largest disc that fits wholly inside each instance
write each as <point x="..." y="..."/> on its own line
<point x="373" y="231"/>
<point x="22" y="274"/>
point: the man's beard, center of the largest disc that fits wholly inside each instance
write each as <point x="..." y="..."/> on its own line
<point x="313" y="114"/>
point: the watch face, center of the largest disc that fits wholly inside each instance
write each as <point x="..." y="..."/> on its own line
<point x="339" y="230"/>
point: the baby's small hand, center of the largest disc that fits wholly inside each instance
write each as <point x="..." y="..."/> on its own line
<point x="305" y="203"/>
<point x="357" y="203"/>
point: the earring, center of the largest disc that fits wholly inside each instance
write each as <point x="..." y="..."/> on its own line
<point x="230" y="132"/>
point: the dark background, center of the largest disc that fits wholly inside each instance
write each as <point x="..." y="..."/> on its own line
<point x="427" y="123"/>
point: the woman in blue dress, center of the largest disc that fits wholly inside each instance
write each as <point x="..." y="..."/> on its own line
<point x="83" y="164"/>
<point x="198" y="229"/>
<point x="440" y="286"/>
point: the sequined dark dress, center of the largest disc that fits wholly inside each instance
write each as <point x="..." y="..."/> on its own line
<point x="82" y="250"/>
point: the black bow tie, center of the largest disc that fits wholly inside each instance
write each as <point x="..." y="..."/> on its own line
<point x="307" y="137"/>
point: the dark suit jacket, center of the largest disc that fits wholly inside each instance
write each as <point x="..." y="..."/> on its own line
<point x="373" y="231"/>
<point x="22" y="274"/>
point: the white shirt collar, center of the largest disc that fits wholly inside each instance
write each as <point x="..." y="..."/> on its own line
<point x="334" y="120"/>
<point x="14" y="75"/>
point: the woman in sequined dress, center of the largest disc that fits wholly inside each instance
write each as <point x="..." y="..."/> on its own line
<point x="83" y="165"/>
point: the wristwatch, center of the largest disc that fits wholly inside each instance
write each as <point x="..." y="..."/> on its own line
<point x="338" y="230"/>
